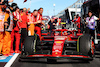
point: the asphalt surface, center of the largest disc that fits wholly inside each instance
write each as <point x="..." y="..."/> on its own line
<point x="60" y="63"/>
<point x="2" y="64"/>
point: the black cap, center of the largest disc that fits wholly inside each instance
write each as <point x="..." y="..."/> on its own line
<point x="29" y="11"/>
<point x="13" y="4"/>
<point x="17" y="7"/>
<point x="35" y="10"/>
<point x="5" y="3"/>
<point x="40" y="8"/>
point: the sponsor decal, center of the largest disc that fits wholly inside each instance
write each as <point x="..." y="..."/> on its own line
<point x="57" y="47"/>
<point x="58" y="42"/>
<point x="60" y="38"/>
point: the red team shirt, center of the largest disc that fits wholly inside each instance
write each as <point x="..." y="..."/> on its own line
<point x="24" y="19"/>
<point x="34" y="19"/>
<point x="17" y="16"/>
<point x="39" y="16"/>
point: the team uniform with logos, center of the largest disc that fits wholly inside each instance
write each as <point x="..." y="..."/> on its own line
<point x="38" y="26"/>
<point x="23" y="27"/>
<point x="15" y="32"/>
<point x="78" y="24"/>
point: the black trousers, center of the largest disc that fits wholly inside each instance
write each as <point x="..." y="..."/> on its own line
<point x="90" y="31"/>
<point x="24" y="34"/>
<point x="51" y="32"/>
<point x="23" y="37"/>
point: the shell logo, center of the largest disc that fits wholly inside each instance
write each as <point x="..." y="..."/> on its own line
<point x="21" y="14"/>
<point x="56" y="53"/>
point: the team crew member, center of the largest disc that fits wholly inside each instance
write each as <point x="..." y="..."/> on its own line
<point x="8" y="22"/>
<point x="23" y="25"/>
<point x="37" y="22"/>
<point x="40" y="17"/>
<point x="78" y="23"/>
<point x="74" y="21"/>
<point x="15" y="32"/>
<point x="38" y="26"/>
<point x="35" y="17"/>
<point x="90" y="22"/>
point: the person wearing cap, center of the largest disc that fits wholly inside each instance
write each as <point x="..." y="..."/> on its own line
<point x="15" y="31"/>
<point x="78" y="22"/>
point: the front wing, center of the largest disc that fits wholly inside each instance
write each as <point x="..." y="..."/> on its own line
<point x="78" y="57"/>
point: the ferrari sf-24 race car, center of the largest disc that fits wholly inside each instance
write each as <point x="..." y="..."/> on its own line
<point x="64" y="43"/>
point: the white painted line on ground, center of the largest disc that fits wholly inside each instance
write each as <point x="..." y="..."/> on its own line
<point x="11" y="60"/>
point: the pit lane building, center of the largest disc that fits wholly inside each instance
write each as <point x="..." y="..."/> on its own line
<point x="69" y="12"/>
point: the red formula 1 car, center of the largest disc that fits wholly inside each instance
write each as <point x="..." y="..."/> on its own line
<point x="64" y="43"/>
